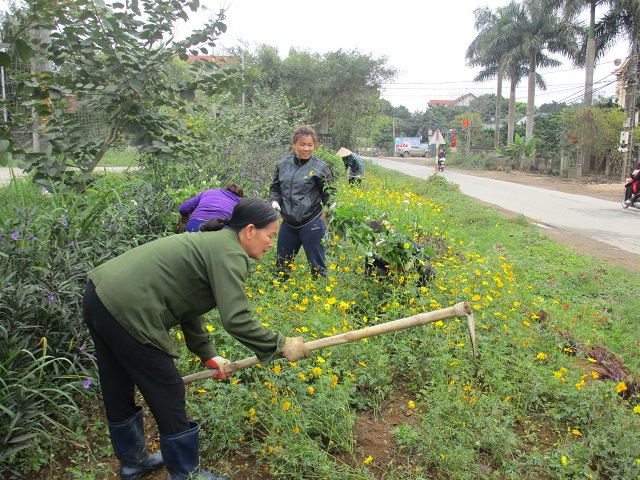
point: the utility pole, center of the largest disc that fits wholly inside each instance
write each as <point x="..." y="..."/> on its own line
<point x="393" y="140"/>
<point x="632" y="85"/>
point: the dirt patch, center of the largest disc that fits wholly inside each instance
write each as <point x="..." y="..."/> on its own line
<point x="597" y="187"/>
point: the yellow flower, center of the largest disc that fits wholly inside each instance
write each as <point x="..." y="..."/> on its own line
<point x="334" y="382"/>
<point x="621" y="387"/>
<point x="311" y="390"/>
<point x="575" y="431"/>
<point x="636" y="409"/>
<point x="277" y="369"/>
<point x="286" y="406"/>
<point x="362" y="364"/>
<point x="564" y="461"/>
<point x="210" y="328"/>
<point x="411" y="404"/>
<point x="317" y="371"/>
<point x="321" y="360"/>
<point x="542" y="356"/>
<point x="368" y="460"/>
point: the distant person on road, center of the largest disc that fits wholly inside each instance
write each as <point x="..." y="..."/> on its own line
<point x="301" y="185"/>
<point x="352" y="162"/>
<point x="631" y="186"/>
<point x="210" y="204"/>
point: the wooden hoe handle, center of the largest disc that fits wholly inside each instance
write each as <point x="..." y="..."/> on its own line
<point x="462" y="309"/>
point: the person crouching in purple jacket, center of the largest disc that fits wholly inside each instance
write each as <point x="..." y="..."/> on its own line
<point x="210" y="204"/>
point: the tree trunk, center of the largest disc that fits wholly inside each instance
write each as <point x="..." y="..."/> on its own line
<point x="531" y="96"/>
<point x="588" y="84"/>
<point x="496" y="135"/>
<point x="39" y="64"/>
<point x="511" y="118"/>
<point x="591" y="58"/>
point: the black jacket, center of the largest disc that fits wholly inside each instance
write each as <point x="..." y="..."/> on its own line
<point x="301" y="188"/>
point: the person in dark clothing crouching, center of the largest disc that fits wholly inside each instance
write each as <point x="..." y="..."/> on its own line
<point x="377" y="266"/>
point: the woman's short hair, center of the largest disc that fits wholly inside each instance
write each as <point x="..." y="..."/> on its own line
<point x="304" y="131"/>
<point x="248" y="211"/>
<point x="235" y="189"/>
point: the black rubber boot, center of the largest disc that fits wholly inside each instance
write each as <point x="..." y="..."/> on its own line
<point x="129" y="446"/>
<point x="181" y="457"/>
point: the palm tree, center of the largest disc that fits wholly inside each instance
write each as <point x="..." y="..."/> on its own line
<point x="482" y="52"/>
<point x="533" y="22"/>
<point x="587" y="54"/>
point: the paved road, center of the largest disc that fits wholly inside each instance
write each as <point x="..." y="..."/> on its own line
<point x="581" y="216"/>
<point x="6" y="174"/>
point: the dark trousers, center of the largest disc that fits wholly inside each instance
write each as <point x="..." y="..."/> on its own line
<point x="309" y="237"/>
<point x="124" y="363"/>
<point x="194" y="224"/>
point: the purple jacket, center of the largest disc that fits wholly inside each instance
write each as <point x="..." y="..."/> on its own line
<point x="210" y="204"/>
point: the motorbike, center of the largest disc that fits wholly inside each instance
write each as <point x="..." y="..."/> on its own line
<point x="441" y="164"/>
<point x="633" y="205"/>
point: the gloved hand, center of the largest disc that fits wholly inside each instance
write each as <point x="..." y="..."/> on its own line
<point x="218" y="363"/>
<point x="332" y="206"/>
<point x="275" y="205"/>
<point x="294" y="349"/>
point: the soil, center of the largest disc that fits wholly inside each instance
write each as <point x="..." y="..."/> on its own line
<point x="593" y="186"/>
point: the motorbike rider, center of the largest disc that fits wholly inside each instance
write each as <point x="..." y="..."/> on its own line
<point x="631" y="186"/>
<point x="441" y="159"/>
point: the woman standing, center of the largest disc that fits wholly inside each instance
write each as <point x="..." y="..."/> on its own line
<point x="300" y="186"/>
<point x="132" y="301"/>
<point x="210" y="204"/>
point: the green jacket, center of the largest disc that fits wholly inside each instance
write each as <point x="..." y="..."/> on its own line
<point x="174" y="281"/>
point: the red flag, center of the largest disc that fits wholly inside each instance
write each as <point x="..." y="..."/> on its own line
<point x="571" y="139"/>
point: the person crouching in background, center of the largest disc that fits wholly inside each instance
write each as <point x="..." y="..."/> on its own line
<point x="353" y="163"/>
<point x="210" y="204"/>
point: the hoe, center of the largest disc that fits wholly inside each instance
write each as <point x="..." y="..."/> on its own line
<point x="462" y="309"/>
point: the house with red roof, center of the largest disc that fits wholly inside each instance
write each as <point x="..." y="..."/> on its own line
<point x="462" y="101"/>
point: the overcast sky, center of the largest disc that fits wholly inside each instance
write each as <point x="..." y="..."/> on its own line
<point x="425" y="41"/>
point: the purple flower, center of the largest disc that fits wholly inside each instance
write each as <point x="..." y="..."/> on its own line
<point x="65" y="223"/>
<point x="87" y="383"/>
<point x="1" y="239"/>
<point x="149" y="188"/>
<point x="72" y="243"/>
<point x="15" y="235"/>
<point x="126" y="194"/>
<point x="112" y="225"/>
<point x="33" y="238"/>
<point x="51" y="297"/>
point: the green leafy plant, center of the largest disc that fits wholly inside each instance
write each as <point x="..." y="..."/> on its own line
<point x="520" y="151"/>
<point x="114" y="59"/>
